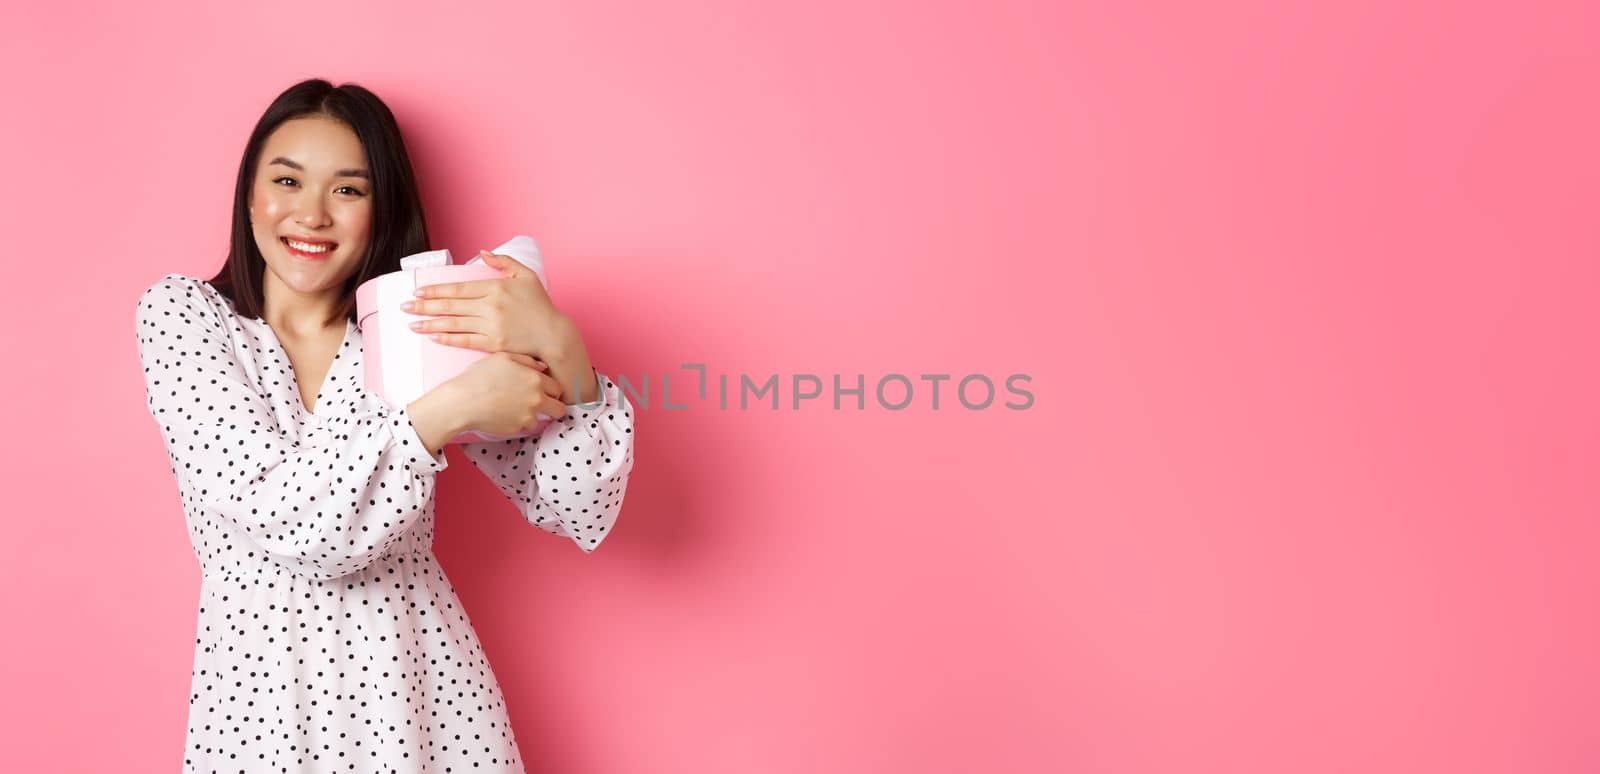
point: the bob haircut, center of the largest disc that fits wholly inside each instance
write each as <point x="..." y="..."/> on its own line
<point x="398" y="226"/>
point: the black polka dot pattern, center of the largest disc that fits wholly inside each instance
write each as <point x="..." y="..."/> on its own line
<point x="570" y="479"/>
<point x="328" y="637"/>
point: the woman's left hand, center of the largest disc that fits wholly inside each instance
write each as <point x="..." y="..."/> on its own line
<point x="511" y="314"/>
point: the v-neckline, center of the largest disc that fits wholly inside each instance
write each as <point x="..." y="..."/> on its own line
<point x="327" y="377"/>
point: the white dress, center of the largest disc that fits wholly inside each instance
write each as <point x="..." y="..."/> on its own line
<point x="328" y="638"/>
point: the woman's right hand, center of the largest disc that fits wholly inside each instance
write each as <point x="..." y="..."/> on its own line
<point x="504" y="393"/>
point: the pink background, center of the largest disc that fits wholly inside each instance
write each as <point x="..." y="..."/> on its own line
<point x="1306" y="293"/>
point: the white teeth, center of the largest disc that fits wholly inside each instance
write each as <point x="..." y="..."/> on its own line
<point x="302" y="246"/>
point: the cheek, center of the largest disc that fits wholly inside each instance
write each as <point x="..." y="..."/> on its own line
<point x="267" y="208"/>
<point x="358" y="222"/>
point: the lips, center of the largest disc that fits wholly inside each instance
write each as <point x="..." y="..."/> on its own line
<point x="311" y="255"/>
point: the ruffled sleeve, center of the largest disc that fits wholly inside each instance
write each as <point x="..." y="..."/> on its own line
<point x="323" y="510"/>
<point x="569" y="480"/>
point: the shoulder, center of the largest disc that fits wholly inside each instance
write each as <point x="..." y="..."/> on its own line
<point x="175" y="285"/>
<point x="191" y="299"/>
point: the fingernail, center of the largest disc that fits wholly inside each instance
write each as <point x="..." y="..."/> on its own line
<point x="408" y="306"/>
<point x="543" y="417"/>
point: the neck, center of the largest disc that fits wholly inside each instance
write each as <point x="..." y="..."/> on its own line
<point x="297" y="314"/>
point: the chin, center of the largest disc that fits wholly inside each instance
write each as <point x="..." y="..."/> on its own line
<point x="311" y="279"/>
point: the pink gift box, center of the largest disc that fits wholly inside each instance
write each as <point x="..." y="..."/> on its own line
<point x="401" y="364"/>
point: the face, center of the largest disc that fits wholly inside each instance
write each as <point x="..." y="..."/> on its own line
<point x="311" y="206"/>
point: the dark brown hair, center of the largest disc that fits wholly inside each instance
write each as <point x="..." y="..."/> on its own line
<point x="398" y="226"/>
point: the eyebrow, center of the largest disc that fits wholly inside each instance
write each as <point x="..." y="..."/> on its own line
<point x="361" y="173"/>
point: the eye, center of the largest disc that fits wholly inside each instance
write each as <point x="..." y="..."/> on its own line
<point x="291" y="181"/>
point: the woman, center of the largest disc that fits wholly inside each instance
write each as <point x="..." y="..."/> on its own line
<point x="328" y="637"/>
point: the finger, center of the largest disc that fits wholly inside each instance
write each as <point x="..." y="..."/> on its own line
<point x="476" y="341"/>
<point x="463" y="289"/>
<point x="458" y="323"/>
<point x="552" y="407"/>
<point x="549" y="386"/>
<point x="518" y="271"/>
<point x="441" y="306"/>
<point x="507" y="265"/>
<point x="547" y="408"/>
<point x="526" y="360"/>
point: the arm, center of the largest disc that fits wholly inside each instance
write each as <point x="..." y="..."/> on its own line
<point x="324" y="509"/>
<point x="571" y="478"/>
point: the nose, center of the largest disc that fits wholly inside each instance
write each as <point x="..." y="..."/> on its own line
<point x="310" y="212"/>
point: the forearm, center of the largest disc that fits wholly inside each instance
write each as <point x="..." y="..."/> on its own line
<point x="438" y="416"/>
<point x="330" y="509"/>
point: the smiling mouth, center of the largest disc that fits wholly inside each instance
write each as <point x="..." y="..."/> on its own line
<point x="307" y="250"/>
